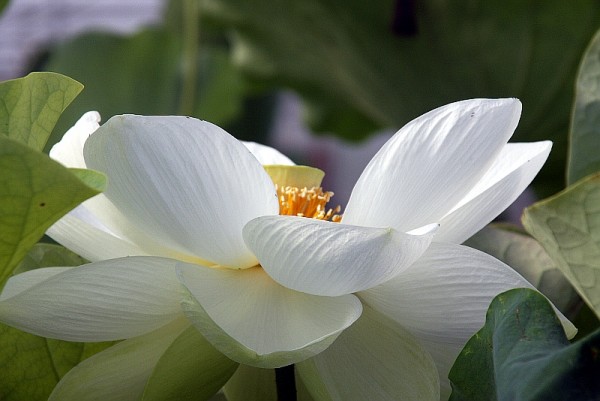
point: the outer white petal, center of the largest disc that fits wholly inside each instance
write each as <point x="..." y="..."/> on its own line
<point x="374" y="359"/>
<point x="69" y="151"/>
<point x="101" y="301"/>
<point x="26" y="280"/>
<point x="184" y="182"/>
<point x="267" y="155"/>
<point x="325" y="258"/>
<point x="443" y="297"/>
<point x="97" y="231"/>
<point x="431" y="163"/>
<point x="511" y="173"/>
<point x="119" y="373"/>
<point x="89" y="240"/>
<point x="255" y="321"/>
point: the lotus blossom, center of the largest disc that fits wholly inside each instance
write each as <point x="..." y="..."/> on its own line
<point x="189" y="232"/>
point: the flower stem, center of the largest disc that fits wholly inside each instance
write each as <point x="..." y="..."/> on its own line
<point x="286" y="383"/>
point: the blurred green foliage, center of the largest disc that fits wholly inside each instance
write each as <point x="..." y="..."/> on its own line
<point x="584" y="149"/>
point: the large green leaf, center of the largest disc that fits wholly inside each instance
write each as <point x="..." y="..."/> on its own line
<point x="522" y="354"/>
<point x="31" y="106"/>
<point x="191" y="369"/>
<point x="35" y="191"/>
<point x="584" y="157"/>
<point x="524" y="254"/>
<point x="30" y="366"/>
<point x="568" y="226"/>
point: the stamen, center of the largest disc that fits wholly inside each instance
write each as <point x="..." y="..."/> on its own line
<point x="306" y="202"/>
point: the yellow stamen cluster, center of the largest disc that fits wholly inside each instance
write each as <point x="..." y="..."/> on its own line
<point x="306" y="202"/>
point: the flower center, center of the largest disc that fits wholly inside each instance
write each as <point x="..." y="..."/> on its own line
<point x="305" y="202"/>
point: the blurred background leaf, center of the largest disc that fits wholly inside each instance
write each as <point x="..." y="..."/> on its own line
<point x="149" y="73"/>
<point x="121" y="75"/>
<point x="522" y="353"/>
<point x="584" y="149"/>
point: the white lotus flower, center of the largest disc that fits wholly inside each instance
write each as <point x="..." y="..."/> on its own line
<point x="369" y="308"/>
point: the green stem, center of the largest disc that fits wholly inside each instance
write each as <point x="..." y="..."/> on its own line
<point x="190" y="19"/>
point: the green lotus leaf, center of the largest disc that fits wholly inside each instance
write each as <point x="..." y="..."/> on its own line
<point x="31" y="106"/>
<point x="35" y="191"/>
<point x="522" y="353"/>
<point x="568" y="226"/>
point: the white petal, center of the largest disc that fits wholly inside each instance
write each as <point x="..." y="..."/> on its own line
<point x="267" y="155"/>
<point x="184" y="182"/>
<point x="24" y="281"/>
<point x="89" y="240"/>
<point x="97" y="231"/>
<point x="255" y="321"/>
<point x="374" y="359"/>
<point x="69" y="151"/>
<point x="325" y="258"/>
<point x="101" y="301"/>
<point x="511" y="173"/>
<point x="444" y="296"/>
<point x="431" y="163"/>
<point x="119" y="373"/>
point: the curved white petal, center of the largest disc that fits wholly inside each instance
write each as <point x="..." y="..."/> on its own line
<point x="69" y="151"/>
<point x="267" y="155"/>
<point x="255" y="321"/>
<point x="431" y="163"/>
<point x="89" y="240"/>
<point x="119" y="373"/>
<point x="374" y="359"/>
<point x="101" y="301"/>
<point x="184" y="182"/>
<point x="324" y="258"/>
<point x="21" y="282"/>
<point x="511" y="173"/>
<point x="443" y="297"/>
